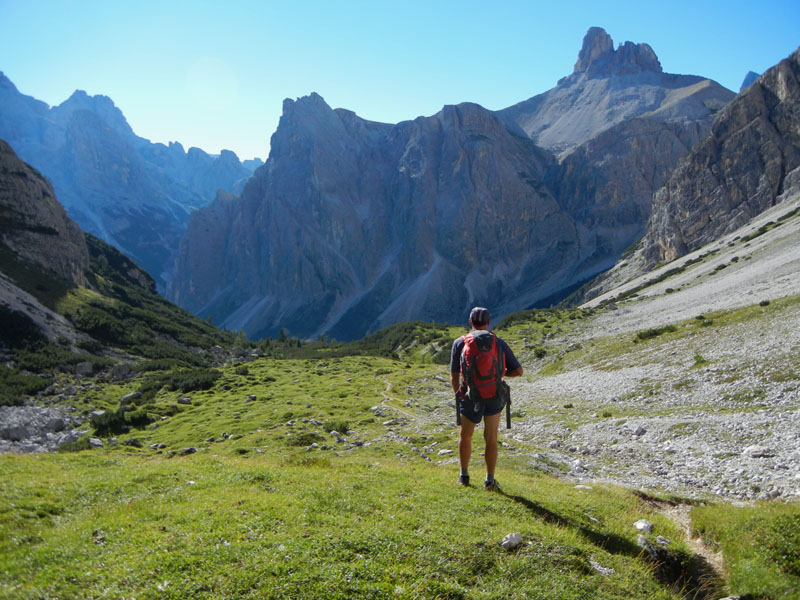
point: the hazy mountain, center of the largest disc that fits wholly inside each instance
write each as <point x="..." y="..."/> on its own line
<point x="353" y="225"/>
<point x="115" y="184"/>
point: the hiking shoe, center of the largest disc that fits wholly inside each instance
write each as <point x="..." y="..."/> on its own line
<point x="463" y="480"/>
<point x="491" y="486"/>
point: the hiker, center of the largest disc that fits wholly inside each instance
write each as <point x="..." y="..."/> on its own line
<point x="473" y="411"/>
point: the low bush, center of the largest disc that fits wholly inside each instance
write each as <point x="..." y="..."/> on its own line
<point x="120" y="421"/>
<point x="655" y="332"/>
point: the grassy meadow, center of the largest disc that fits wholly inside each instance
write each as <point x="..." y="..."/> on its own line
<point x="328" y="470"/>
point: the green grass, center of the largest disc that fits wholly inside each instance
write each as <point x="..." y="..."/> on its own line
<point x="761" y="545"/>
<point x="92" y="524"/>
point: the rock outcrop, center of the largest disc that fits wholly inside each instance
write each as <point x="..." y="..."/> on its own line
<point x="609" y="87"/>
<point x="34" y="226"/>
<point x="116" y="185"/>
<point x="750" y="159"/>
<point x="353" y="225"/>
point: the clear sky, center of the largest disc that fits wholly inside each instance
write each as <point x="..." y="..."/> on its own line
<point x="213" y="74"/>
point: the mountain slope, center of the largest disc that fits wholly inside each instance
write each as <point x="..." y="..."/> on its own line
<point x="749" y="162"/>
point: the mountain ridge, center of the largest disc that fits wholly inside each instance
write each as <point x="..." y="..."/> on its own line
<point x="464" y="208"/>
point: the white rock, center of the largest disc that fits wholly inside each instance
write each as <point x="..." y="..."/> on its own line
<point x="445" y="452"/>
<point x="643" y="525"/>
<point x="511" y="541"/>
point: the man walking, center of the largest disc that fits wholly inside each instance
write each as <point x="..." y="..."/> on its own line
<point x="473" y="411"/>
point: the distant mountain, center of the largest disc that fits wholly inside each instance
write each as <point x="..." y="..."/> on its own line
<point x="354" y="225"/>
<point x="70" y="301"/>
<point x="115" y="184"/>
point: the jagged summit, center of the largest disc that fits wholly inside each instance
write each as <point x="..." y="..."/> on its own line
<point x="598" y="58"/>
<point x="748" y="80"/>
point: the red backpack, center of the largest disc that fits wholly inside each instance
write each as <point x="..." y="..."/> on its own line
<point x="482" y="366"/>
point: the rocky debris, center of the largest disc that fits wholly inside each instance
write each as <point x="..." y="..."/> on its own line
<point x="25" y="429"/>
<point x="187" y="451"/>
<point x="95" y="443"/>
<point x="185" y="401"/>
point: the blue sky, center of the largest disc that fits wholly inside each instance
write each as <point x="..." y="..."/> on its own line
<point x="214" y="74"/>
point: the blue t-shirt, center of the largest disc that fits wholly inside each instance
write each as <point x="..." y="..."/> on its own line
<point x="458" y="347"/>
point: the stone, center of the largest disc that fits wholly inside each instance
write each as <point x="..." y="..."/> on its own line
<point x="133" y="443"/>
<point x="187" y="451"/>
<point x="129" y="398"/>
<point x="445" y="452"/>
<point x="55" y="424"/>
<point x="120" y="371"/>
<point x="604" y="571"/>
<point x="95" y="443"/>
<point x="511" y="541"/>
<point x="15" y="433"/>
<point x="84" y="369"/>
<point x="757" y="451"/>
<point x="184" y="401"/>
<point x="643" y="525"/>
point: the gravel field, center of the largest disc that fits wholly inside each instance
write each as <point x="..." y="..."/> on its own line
<point x="656" y="419"/>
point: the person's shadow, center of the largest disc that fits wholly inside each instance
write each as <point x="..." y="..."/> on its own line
<point x="611" y="542"/>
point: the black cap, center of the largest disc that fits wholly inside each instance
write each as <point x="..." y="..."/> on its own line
<point x="479" y="316"/>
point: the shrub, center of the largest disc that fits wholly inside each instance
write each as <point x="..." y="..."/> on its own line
<point x="305" y="439"/>
<point x="340" y="426"/>
<point x="76" y="446"/>
<point x="655" y="332"/>
<point x="120" y="421"/>
<point x="14" y="386"/>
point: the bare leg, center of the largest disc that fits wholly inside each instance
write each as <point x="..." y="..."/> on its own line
<point x="490" y="436"/>
<point x="465" y="441"/>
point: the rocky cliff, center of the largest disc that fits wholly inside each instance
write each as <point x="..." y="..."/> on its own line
<point x="609" y="86"/>
<point x="116" y="185"/>
<point x="354" y="225"/>
<point x="750" y="159"/>
<point x="34" y="226"/>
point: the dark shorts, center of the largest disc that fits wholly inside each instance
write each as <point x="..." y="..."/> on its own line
<point x="475" y="411"/>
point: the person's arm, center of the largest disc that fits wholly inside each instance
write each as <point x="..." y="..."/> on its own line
<point x="455" y="364"/>
<point x="515" y="373"/>
<point x="455" y="380"/>
<point x="513" y="366"/>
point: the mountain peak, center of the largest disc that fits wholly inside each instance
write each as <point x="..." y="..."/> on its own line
<point x="598" y="58"/>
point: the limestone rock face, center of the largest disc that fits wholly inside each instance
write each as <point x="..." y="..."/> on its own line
<point x="116" y="185"/>
<point x="34" y="225"/>
<point x="751" y="157"/>
<point x="353" y="225"/>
